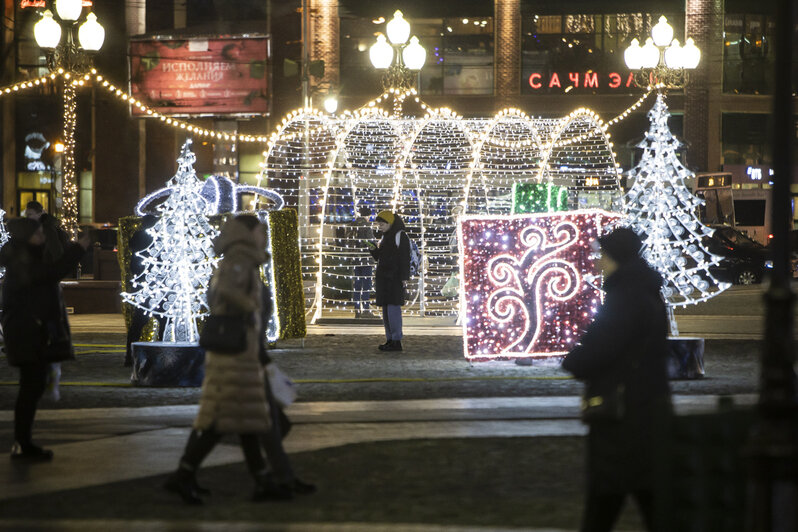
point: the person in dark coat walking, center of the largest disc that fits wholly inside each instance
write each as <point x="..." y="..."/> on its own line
<point x="393" y="270"/>
<point x="34" y="321"/>
<point x="624" y="348"/>
<point x="233" y="398"/>
<point x="138" y="244"/>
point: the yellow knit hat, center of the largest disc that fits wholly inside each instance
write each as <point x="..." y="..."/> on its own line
<point x="386" y="216"/>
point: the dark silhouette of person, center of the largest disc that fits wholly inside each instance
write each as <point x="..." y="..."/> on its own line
<point x="56" y="239"/>
<point x="623" y="355"/>
<point x="364" y="271"/>
<point x="139" y="242"/>
<point x="34" y="321"/>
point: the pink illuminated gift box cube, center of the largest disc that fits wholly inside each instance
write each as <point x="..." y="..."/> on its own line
<point x="524" y="283"/>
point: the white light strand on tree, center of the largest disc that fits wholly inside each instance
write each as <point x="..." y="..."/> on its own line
<point x="661" y="209"/>
<point x="179" y="262"/>
<point x="3" y="236"/>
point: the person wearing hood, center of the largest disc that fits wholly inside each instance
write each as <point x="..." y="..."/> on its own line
<point x="622" y="359"/>
<point x="34" y="321"/>
<point x="233" y="398"/>
<point x="393" y="270"/>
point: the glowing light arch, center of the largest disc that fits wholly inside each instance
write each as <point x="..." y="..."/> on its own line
<point x="585" y="190"/>
<point x="370" y="158"/>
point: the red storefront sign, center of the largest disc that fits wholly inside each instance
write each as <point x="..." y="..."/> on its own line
<point x="201" y="76"/>
<point x="579" y="80"/>
<point x="43" y="3"/>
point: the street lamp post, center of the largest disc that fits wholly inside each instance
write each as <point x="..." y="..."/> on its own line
<point x="400" y="54"/>
<point x="71" y="57"/>
<point x="662" y="60"/>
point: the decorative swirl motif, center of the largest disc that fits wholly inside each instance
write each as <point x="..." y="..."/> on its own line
<point x="523" y="285"/>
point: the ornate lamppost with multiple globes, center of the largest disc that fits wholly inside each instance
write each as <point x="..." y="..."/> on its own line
<point x="662" y="60"/>
<point x="401" y="57"/>
<point x="72" y="58"/>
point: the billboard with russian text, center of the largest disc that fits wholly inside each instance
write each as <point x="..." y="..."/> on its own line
<point x="210" y="76"/>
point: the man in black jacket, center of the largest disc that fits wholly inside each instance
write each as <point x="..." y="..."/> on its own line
<point x="34" y="321"/>
<point x="622" y="358"/>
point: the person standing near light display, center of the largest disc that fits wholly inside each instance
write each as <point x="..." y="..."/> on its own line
<point x="393" y="270"/>
<point x="622" y="358"/>
<point x="35" y="321"/>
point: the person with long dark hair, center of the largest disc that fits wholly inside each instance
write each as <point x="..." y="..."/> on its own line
<point x="34" y="321"/>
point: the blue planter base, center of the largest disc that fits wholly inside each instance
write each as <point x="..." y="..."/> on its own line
<point x="167" y="364"/>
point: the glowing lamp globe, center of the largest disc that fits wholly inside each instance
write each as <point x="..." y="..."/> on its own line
<point x="662" y="32"/>
<point x="691" y="55"/>
<point x="398" y="29"/>
<point x="414" y="54"/>
<point x="381" y="53"/>
<point x="331" y="104"/>
<point x="674" y="55"/>
<point x="633" y="56"/>
<point x="91" y="33"/>
<point x="68" y="10"/>
<point x="649" y="54"/>
<point x="47" y="32"/>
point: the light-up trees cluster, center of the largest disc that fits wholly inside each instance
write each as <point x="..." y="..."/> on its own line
<point x="179" y="262"/>
<point x="662" y="210"/>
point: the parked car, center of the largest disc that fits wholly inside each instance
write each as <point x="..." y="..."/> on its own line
<point x="745" y="261"/>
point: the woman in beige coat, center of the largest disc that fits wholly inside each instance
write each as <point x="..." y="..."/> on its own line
<point x="233" y="399"/>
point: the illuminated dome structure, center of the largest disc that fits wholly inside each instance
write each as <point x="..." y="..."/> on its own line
<point x="429" y="169"/>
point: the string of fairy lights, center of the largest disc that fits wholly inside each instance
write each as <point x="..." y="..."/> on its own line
<point x="429" y="169"/>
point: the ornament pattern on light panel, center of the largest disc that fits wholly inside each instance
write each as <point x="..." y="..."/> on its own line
<point x="523" y="285"/>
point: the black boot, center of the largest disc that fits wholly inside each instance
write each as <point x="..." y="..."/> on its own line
<point x="30" y="453"/>
<point x="385" y="346"/>
<point x="183" y="483"/>
<point x="394" y="345"/>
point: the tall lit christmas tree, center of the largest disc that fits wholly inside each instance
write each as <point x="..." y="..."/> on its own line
<point x="179" y="262"/>
<point x="664" y="213"/>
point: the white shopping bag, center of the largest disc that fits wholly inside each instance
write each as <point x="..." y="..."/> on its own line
<point x="283" y="388"/>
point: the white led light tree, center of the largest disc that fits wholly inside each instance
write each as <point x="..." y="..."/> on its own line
<point x="3" y="230"/>
<point x="179" y="262"/>
<point x="664" y="213"/>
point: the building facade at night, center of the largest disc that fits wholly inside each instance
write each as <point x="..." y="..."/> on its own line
<point x="546" y="58"/>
